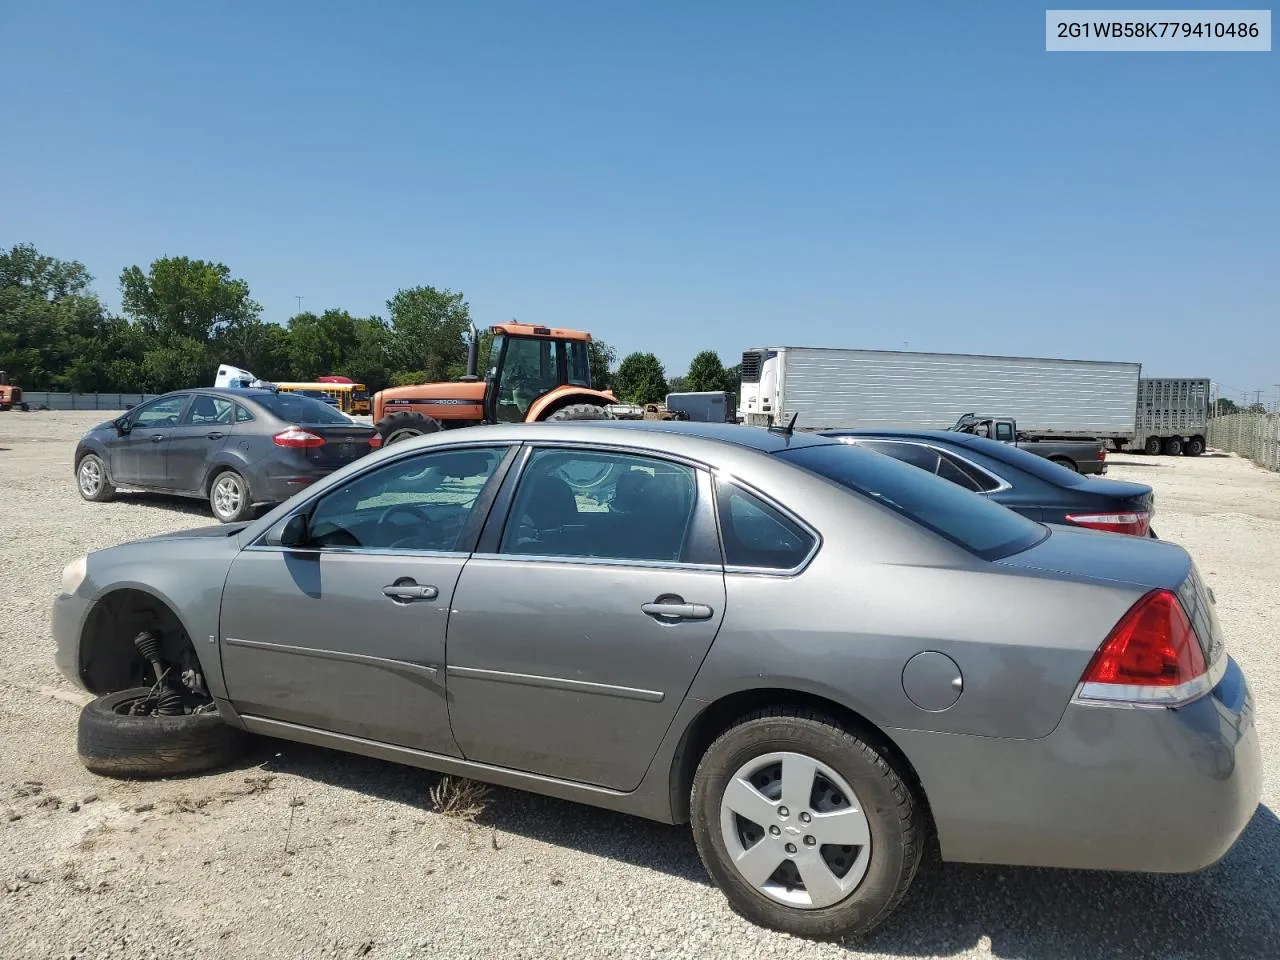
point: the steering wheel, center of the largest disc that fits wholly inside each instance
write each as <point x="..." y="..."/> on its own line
<point x="418" y="513"/>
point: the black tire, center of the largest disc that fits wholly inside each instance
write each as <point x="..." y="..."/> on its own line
<point x="104" y="489"/>
<point x="114" y="744"/>
<point x="1153" y="446"/>
<point x="895" y="817"/>
<point x="229" y="507"/>
<point x="1195" y="446"/>
<point x="1173" y="446"/>
<point x="24" y="407"/>
<point x="582" y="411"/>
<point x="1065" y="462"/>
<point x="396" y="427"/>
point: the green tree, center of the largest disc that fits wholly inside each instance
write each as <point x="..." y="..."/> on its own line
<point x="601" y="357"/>
<point x="321" y="344"/>
<point x="731" y="383"/>
<point x="640" y="379"/>
<point x="1226" y="405"/>
<point x="428" y="328"/>
<point x="706" y="372"/>
<point x="183" y="298"/>
<point x="678" y="385"/>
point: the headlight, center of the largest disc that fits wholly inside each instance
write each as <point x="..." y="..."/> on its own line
<point x="73" y="574"/>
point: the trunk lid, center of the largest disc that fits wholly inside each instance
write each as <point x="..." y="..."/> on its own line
<point x="342" y="443"/>
<point x="1122" y="493"/>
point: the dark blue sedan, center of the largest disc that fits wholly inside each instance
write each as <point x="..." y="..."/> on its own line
<point x="1033" y="486"/>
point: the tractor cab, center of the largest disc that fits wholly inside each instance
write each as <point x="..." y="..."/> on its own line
<point x="526" y="363"/>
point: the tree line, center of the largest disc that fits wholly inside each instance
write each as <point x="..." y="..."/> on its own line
<point x="181" y="317"/>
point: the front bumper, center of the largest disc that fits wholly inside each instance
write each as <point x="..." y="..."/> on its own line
<point x="69" y="614"/>
<point x="1112" y="788"/>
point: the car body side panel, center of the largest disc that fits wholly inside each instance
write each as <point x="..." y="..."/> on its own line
<point x="185" y="573"/>
<point x="1113" y="788"/>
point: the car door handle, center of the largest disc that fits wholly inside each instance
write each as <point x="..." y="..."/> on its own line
<point x="668" y="610"/>
<point x="408" y="592"/>
<point x="157" y="438"/>
<point x="216" y="435"/>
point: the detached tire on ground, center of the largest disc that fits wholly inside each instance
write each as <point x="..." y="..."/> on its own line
<point x="405" y="426"/>
<point x="805" y="826"/>
<point x="114" y="744"/>
<point x="582" y="411"/>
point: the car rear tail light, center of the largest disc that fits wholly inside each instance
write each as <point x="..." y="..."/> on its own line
<point x="1102" y="453"/>
<point x="376" y="441"/>
<point x="1134" y="523"/>
<point x="1152" y="656"/>
<point x="297" y="437"/>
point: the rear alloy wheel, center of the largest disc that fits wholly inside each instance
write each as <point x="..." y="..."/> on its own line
<point x="582" y="411"/>
<point x="805" y="827"/>
<point x="117" y="739"/>
<point x="91" y="479"/>
<point x="1173" y="446"/>
<point x="1195" y="447"/>
<point x="1153" y="446"/>
<point x="229" y="497"/>
<point x="405" y="426"/>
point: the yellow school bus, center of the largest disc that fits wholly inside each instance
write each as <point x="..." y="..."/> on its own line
<point x="348" y="397"/>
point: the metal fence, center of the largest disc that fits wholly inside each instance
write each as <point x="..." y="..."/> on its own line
<point x="1252" y="435"/>
<point x="49" y="400"/>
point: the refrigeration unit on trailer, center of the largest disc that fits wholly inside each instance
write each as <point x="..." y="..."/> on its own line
<point x="833" y="389"/>
<point x="1173" y="415"/>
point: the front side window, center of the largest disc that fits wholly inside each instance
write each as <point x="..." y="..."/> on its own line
<point x="419" y="503"/>
<point x="975" y="523"/>
<point x="1004" y="432"/>
<point x="161" y="413"/>
<point x="585" y="504"/>
<point x="757" y="535"/>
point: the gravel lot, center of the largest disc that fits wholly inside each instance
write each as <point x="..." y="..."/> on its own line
<point x="301" y="852"/>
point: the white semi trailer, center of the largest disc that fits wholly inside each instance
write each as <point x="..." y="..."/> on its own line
<point x="829" y="389"/>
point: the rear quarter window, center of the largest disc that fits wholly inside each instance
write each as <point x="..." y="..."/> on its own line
<point x="965" y="518"/>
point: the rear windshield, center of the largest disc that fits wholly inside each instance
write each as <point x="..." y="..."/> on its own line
<point x="965" y="518"/>
<point x="1025" y="461"/>
<point x="295" y="408"/>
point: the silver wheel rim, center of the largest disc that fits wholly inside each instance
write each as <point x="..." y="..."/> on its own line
<point x="90" y="478"/>
<point x="227" y="497"/>
<point x="795" y="830"/>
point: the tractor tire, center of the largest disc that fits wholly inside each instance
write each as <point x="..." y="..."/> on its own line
<point x="1194" y="447"/>
<point x="395" y="427"/>
<point x="1173" y="446"/>
<point x="113" y="743"/>
<point x="582" y="411"/>
<point x="1153" y="446"/>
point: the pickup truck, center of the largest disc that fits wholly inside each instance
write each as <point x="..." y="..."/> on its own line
<point x="1082" y="456"/>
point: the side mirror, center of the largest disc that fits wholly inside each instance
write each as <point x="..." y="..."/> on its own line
<point x="123" y="426"/>
<point x="291" y="533"/>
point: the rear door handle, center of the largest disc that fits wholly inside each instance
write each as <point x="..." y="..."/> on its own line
<point x="677" y="611"/>
<point x="409" y="592"/>
<point x="216" y="435"/>
<point x="157" y="438"/>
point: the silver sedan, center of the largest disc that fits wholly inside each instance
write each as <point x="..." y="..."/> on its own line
<point x="820" y="657"/>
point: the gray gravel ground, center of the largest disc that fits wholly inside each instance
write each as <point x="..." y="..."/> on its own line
<point x="210" y="867"/>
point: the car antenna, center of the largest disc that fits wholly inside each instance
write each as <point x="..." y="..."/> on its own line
<point x="789" y="429"/>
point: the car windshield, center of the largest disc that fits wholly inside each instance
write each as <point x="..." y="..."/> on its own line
<point x="295" y="408"/>
<point x="975" y="523"/>
<point x="1025" y="461"/>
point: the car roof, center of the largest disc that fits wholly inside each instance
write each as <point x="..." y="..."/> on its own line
<point x="753" y="438"/>
<point x="945" y="436"/>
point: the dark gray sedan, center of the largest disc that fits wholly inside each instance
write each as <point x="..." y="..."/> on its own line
<point x="238" y="448"/>
<point x="819" y="656"/>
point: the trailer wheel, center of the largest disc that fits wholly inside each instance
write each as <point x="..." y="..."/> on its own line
<point x="1173" y="446"/>
<point x="1195" y="447"/>
<point x="1153" y="446"/>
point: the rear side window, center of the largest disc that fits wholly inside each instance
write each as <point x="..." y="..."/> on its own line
<point x="756" y="535"/>
<point x="243" y="415"/>
<point x="932" y="460"/>
<point x="295" y="408"/>
<point x="965" y="518"/>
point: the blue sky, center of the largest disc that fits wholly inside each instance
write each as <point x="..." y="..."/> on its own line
<point x="670" y="176"/>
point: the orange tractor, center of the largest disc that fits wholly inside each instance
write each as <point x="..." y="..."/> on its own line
<point x="535" y="373"/>
<point x="10" y="394"/>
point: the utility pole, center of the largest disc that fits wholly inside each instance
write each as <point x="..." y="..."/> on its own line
<point x="299" y="299"/>
<point x="1277" y="386"/>
<point x="1257" y="398"/>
